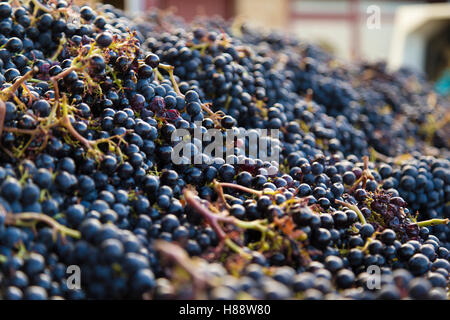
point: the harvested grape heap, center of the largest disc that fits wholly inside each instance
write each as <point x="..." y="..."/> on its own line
<point x="89" y="101"/>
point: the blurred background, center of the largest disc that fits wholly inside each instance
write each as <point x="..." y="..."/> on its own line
<point x="402" y="32"/>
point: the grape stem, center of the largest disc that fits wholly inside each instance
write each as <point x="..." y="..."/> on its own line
<point x="23" y="219"/>
<point x="233" y="246"/>
<point x="354" y="208"/>
<point x="214" y="116"/>
<point x="245" y="189"/>
<point x="178" y="255"/>
<point x="53" y="121"/>
<point x="219" y="191"/>
<point x="41" y="6"/>
<point x="432" y="222"/>
<point x="64" y="73"/>
<point x="365" y="175"/>
<point x="214" y="220"/>
<point x="2" y="116"/>
<point x="6" y="94"/>
<point x="60" y="48"/>
<point x="9" y="91"/>
<point x="169" y="70"/>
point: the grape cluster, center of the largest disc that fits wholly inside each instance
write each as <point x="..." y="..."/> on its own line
<point x="90" y="100"/>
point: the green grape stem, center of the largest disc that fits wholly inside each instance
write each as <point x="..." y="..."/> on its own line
<point x="169" y="70"/>
<point x="41" y="6"/>
<point x="30" y="219"/>
<point x="245" y="189"/>
<point x="8" y="92"/>
<point x="23" y="220"/>
<point x="432" y="222"/>
<point x="354" y="208"/>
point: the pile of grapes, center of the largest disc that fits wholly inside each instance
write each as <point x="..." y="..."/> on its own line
<point x="356" y="207"/>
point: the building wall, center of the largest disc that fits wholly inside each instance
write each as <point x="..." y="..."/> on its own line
<point x="189" y="9"/>
<point x="340" y="25"/>
<point x="266" y="14"/>
<point x="331" y="22"/>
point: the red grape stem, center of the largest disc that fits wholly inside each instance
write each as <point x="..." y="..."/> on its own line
<point x="365" y="175"/>
<point x="41" y="6"/>
<point x="178" y="255"/>
<point x="65" y="122"/>
<point x="214" y="116"/>
<point x="218" y="188"/>
<point x="215" y="219"/>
